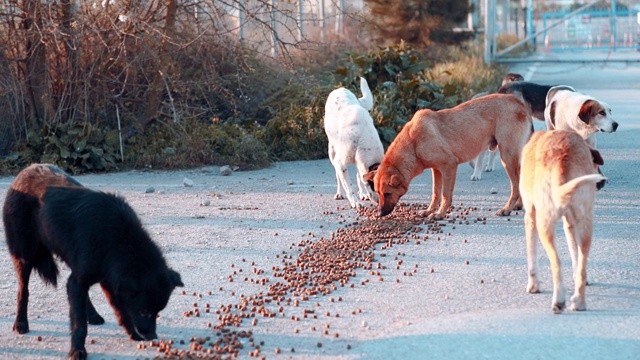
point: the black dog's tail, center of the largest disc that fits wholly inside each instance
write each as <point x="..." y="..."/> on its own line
<point x="46" y="266"/>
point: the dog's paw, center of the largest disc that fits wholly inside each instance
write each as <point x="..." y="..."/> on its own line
<point x="435" y="216"/>
<point x="424" y="213"/>
<point x="503" y="212"/>
<point x="489" y="168"/>
<point x="558" y="307"/>
<point x="95" y="319"/>
<point x="475" y="177"/>
<point x="21" y="327"/>
<point x="338" y="197"/>
<point x="358" y="205"/>
<point x="578" y="303"/>
<point x="77" y="354"/>
<point x="533" y="287"/>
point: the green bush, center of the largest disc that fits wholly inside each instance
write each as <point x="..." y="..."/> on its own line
<point x="281" y="121"/>
<point x="399" y="79"/>
<point x="75" y="147"/>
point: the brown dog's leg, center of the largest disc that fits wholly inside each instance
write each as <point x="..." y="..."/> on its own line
<point x="531" y="233"/>
<point x="511" y="162"/>
<point x="448" y="184"/>
<point x="580" y="235"/>
<point x="546" y="231"/>
<point x="436" y="193"/>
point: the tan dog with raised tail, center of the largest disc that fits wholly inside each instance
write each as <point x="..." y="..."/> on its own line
<point x="442" y="139"/>
<point x="559" y="171"/>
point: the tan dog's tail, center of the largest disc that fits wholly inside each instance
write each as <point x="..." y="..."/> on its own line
<point x="562" y="195"/>
<point x="367" y="97"/>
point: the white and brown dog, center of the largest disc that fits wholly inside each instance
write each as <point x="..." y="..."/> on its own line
<point x="353" y="139"/>
<point x="567" y="109"/>
<point x="557" y="178"/>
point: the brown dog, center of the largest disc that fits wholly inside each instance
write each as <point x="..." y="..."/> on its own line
<point x="441" y="140"/>
<point x="559" y="170"/>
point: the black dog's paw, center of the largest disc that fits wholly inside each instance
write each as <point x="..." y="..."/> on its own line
<point x="77" y="354"/>
<point x="21" y="327"/>
<point x="95" y="319"/>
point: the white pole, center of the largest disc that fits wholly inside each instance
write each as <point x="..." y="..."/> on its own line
<point x="274" y="34"/>
<point x="339" y="16"/>
<point x="241" y="16"/>
<point x="322" y="21"/>
<point x="300" y="21"/>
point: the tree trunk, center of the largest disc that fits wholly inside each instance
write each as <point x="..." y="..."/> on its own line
<point x="36" y="77"/>
<point x="157" y="85"/>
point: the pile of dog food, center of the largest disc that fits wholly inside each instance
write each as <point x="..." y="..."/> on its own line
<point x="318" y="268"/>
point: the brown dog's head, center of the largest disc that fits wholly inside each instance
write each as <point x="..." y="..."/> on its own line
<point x="390" y="186"/>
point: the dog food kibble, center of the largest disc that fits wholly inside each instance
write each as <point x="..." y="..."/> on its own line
<point x="315" y="271"/>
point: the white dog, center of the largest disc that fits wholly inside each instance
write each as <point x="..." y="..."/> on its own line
<point x="557" y="178"/>
<point x="353" y="139"/>
<point x="567" y="109"/>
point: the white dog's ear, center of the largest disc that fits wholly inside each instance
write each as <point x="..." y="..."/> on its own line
<point x="589" y="110"/>
<point x="395" y="180"/>
<point x="369" y="176"/>
<point x="597" y="158"/>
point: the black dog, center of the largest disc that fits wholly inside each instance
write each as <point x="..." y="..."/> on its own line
<point x="100" y="238"/>
<point x="533" y="95"/>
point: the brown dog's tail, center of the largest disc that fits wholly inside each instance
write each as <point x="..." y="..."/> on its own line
<point x="562" y="195"/>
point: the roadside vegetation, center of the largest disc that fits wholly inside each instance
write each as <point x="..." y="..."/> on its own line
<point x="112" y="103"/>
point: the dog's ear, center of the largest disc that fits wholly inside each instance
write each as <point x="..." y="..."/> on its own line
<point x="395" y="180"/>
<point x="175" y="278"/>
<point x="369" y="176"/>
<point x="588" y="109"/>
<point x="597" y="158"/>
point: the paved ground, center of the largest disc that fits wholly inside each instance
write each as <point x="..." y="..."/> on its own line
<point x="461" y="293"/>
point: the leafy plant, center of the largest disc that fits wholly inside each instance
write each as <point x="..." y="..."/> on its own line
<point x="75" y="147"/>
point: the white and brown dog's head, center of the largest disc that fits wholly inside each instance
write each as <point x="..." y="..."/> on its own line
<point x="570" y="110"/>
<point x="597" y="114"/>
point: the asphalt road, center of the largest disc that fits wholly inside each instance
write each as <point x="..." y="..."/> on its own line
<point x="459" y="294"/>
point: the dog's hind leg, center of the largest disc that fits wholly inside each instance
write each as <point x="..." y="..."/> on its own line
<point x="531" y="233"/>
<point x="579" y="236"/>
<point x="511" y="162"/>
<point x="477" y="166"/>
<point x="491" y="164"/>
<point x="546" y="230"/>
<point x="23" y="272"/>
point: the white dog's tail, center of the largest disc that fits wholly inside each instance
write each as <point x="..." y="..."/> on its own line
<point x="367" y="97"/>
<point x="562" y="195"/>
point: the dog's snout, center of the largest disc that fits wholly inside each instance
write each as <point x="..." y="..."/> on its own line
<point x="615" y="126"/>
